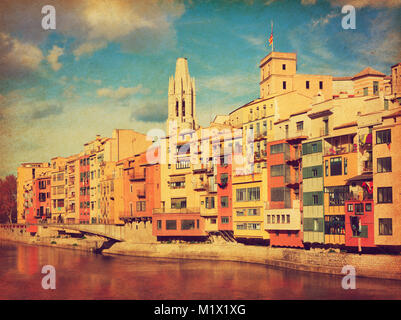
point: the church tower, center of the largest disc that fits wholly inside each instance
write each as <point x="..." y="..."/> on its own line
<point x="182" y="98"/>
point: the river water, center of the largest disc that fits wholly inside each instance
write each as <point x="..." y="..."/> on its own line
<point x="81" y="275"/>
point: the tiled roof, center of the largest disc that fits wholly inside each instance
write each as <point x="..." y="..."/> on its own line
<point x="368" y="71"/>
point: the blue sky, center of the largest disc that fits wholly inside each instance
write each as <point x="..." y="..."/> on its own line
<point x="107" y="63"/>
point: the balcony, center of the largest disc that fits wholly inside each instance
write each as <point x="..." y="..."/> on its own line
<point x="361" y="196"/>
<point x="137" y="176"/>
<point x="347" y="148"/>
<point x="260" y="136"/>
<point x="141" y="193"/>
<point x="176" y="211"/>
<point x="200" y="185"/>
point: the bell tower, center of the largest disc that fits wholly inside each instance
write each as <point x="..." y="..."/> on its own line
<point x="182" y="98"/>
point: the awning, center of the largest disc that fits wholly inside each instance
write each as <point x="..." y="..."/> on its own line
<point x="361" y="177"/>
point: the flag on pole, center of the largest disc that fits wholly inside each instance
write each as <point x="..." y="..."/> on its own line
<point x="271" y="37"/>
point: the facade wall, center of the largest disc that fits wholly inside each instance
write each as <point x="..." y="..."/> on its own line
<point x="391" y="179"/>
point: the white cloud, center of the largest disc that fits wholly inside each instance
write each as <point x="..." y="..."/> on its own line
<point x="53" y="56"/>
<point x="88" y="48"/>
<point x="324" y="20"/>
<point x="121" y="92"/>
<point x="17" y="57"/>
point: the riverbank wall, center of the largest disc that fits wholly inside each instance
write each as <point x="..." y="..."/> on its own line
<point x="383" y="266"/>
<point x="314" y="260"/>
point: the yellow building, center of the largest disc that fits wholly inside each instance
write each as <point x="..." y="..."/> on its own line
<point x="58" y="189"/>
<point x="249" y="200"/>
<point x="26" y="172"/>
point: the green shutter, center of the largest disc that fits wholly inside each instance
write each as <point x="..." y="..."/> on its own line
<point x="308" y="224"/>
<point x="304" y="149"/>
<point x="319" y="146"/>
<point x="364" y="232"/>
<point x="320" y="225"/>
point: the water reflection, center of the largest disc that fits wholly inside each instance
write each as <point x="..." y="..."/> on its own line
<point x="85" y="276"/>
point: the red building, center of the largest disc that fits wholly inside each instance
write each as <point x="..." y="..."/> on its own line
<point x="224" y="197"/>
<point x="84" y="190"/>
<point x="359" y="213"/>
<point x="284" y="179"/>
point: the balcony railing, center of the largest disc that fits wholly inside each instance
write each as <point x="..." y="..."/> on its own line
<point x="330" y="151"/>
<point x="200" y="185"/>
<point x="137" y="176"/>
<point x="141" y="193"/>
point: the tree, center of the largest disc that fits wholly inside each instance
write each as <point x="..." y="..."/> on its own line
<point x="8" y="199"/>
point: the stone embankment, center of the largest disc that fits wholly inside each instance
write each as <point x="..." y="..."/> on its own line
<point x="315" y="260"/>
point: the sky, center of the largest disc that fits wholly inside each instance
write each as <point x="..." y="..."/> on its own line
<point x="106" y="65"/>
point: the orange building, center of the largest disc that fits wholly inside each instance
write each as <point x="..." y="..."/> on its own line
<point x="141" y="188"/>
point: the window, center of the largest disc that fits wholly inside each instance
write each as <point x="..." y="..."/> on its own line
<point x="283" y="66"/>
<point x="385" y="195"/>
<point x="187" y="224"/>
<point x="314" y="172"/>
<point x="307" y="84"/>
<point x="253" y="226"/>
<point x="277" y="194"/>
<point x="334" y="224"/>
<point x="241" y="194"/>
<point x="284" y="85"/>
<point x="383" y="136"/>
<point x="213" y="221"/>
<point x="326" y="167"/>
<point x="140" y="206"/>
<point x="240" y="213"/>
<point x="365" y="91"/>
<point x="320" y="85"/>
<point x="335" y="166"/>
<point x="345" y="166"/>
<point x="350" y="207"/>
<point x="273" y="218"/>
<point x="359" y="208"/>
<point x="268" y="218"/>
<point x="278" y="218"/>
<point x="254" y="194"/>
<point x="277" y="148"/>
<point x="277" y="170"/>
<point x="385" y="104"/>
<point x="384" y="165"/>
<point x="159" y="224"/>
<point x="288" y="218"/>
<point x="224" y="202"/>
<point x="209" y="202"/>
<point x="376" y="88"/>
<point x="385" y="227"/>
<point x="171" y="224"/>
<point x="337" y="195"/>
<point x="225" y="220"/>
<point x="241" y="226"/>
<point x="178" y="203"/>
<point x="315" y="199"/>
<point x="368" y="207"/>
<point x="300" y="126"/>
<point x="253" y="212"/>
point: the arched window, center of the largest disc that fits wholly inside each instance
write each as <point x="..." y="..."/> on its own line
<point x="183" y="108"/>
<point x="176" y="108"/>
